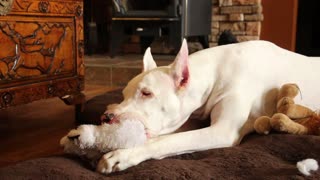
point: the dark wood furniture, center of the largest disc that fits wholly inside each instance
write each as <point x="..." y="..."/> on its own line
<point x="41" y="52"/>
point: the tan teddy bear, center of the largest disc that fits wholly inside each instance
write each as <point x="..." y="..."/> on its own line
<point x="290" y="117"/>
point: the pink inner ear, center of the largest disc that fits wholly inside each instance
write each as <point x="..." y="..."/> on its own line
<point x="183" y="76"/>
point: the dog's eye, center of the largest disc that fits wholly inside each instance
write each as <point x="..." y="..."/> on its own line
<point x="146" y="93"/>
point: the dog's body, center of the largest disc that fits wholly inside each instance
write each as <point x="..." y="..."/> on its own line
<point x="231" y="84"/>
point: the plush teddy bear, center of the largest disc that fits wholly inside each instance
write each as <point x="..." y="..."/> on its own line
<point x="92" y="141"/>
<point x="290" y="117"/>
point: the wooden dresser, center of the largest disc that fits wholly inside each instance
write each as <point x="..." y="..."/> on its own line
<point x="41" y="51"/>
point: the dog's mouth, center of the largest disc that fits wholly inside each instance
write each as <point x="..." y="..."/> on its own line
<point x="110" y="118"/>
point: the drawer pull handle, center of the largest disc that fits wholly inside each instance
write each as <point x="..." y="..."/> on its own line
<point x="7" y="98"/>
<point x="16" y="59"/>
<point x="51" y="89"/>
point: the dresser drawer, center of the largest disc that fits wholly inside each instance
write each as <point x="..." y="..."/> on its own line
<point x="41" y="51"/>
<point x="34" y="49"/>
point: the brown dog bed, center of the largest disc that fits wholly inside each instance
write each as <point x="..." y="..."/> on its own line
<point x="257" y="157"/>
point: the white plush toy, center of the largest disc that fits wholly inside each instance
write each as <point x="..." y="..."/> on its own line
<point x="92" y="141"/>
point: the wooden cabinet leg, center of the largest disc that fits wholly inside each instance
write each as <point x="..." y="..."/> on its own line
<point x="77" y="99"/>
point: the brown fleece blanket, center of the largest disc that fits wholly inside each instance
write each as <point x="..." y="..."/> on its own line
<point x="257" y="157"/>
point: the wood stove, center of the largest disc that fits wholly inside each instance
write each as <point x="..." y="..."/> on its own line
<point x="149" y="19"/>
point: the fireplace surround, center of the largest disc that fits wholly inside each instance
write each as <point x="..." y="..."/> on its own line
<point x="176" y="19"/>
<point x="242" y="17"/>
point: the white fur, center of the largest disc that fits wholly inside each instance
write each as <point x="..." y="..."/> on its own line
<point x="307" y="165"/>
<point x="148" y="62"/>
<point x="232" y="85"/>
<point x="96" y="140"/>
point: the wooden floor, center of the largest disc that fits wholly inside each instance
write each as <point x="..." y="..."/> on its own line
<point x="34" y="130"/>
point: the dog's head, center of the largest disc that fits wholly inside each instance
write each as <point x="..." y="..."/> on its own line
<point x="154" y="96"/>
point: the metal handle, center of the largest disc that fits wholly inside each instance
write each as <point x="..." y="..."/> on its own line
<point x="16" y="59"/>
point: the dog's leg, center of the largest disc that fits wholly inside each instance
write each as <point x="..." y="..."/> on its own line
<point x="223" y="132"/>
<point x="161" y="147"/>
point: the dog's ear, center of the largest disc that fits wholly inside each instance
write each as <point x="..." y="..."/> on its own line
<point x="148" y="62"/>
<point x="180" y="66"/>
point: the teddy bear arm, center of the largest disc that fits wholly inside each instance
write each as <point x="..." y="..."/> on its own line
<point x="282" y="123"/>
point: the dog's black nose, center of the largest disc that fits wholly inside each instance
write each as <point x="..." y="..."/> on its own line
<point x="107" y="117"/>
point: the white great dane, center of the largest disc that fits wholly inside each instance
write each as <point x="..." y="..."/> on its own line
<point x="232" y="84"/>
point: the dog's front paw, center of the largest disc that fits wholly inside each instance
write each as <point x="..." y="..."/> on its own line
<point x="82" y="137"/>
<point x="117" y="160"/>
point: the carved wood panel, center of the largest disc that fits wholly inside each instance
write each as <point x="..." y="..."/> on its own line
<point x="36" y="47"/>
<point x="56" y="88"/>
<point x="74" y="7"/>
<point x="41" y="51"/>
<point x="5" y="6"/>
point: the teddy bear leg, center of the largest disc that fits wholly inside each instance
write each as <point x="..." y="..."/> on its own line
<point x="282" y="123"/>
<point x="293" y="111"/>
<point x="262" y="125"/>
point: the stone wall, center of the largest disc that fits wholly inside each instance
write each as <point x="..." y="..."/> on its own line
<point x="242" y="17"/>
